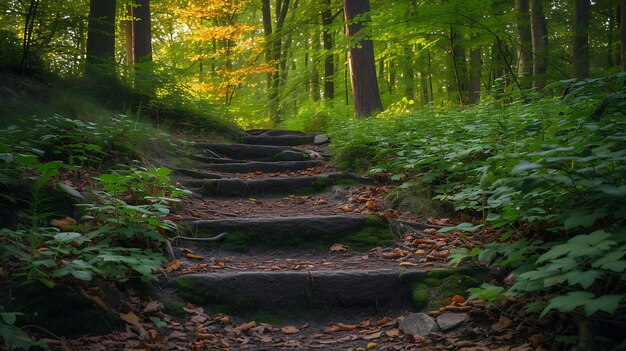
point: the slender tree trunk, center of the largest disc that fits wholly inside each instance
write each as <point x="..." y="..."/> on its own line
<point x="580" y="45"/>
<point x="128" y="38"/>
<point x="101" y="39"/>
<point x="329" y="65"/>
<point x="267" y="31"/>
<point x="524" y="37"/>
<point x="409" y="73"/>
<point x="459" y="63"/>
<point x="609" y="38"/>
<point x="277" y="57"/>
<point x="314" y="81"/>
<point x="622" y="34"/>
<point x="474" y="76"/>
<point x="142" y="36"/>
<point x="430" y="77"/>
<point x="362" y="66"/>
<point x="29" y="27"/>
<point x="539" y="30"/>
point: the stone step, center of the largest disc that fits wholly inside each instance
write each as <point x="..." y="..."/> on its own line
<point x="358" y="232"/>
<point x="268" y="186"/>
<point x="274" y="132"/>
<point x="277" y="291"/>
<point x="254" y="152"/>
<point x="282" y="140"/>
<point x="266" y="167"/>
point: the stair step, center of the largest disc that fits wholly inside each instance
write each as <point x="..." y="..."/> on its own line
<point x="266" y="167"/>
<point x="281" y="140"/>
<point x="317" y="232"/>
<point x="255" y="152"/>
<point x="274" y="132"/>
<point x="265" y="186"/>
<point x="289" y="289"/>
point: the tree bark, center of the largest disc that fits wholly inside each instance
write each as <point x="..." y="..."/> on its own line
<point x="142" y="35"/>
<point x="524" y="37"/>
<point x="459" y="63"/>
<point x="267" y="31"/>
<point x="539" y="30"/>
<point x="580" y="45"/>
<point x="29" y="26"/>
<point x="474" y="76"/>
<point x="365" y="91"/>
<point x="277" y="57"/>
<point x="622" y="34"/>
<point x="409" y="73"/>
<point x="128" y="37"/>
<point x="101" y="39"/>
<point x="329" y="65"/>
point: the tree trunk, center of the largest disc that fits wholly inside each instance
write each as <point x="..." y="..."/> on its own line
<point x="474" y="76"/>
<point x="409" y="73"/>
<point x="277" y="57"/>
<point x="101" y="39"/>
<point x="622" y="34"/>
<point x="329" y="65"/>
<point x="580" y="45"/>
<point x="29" y="27"/>
<point x="267" y="31"/>
<point x="128" y="37"/>
<point x="539" y="30"/>
<point x="524" y="37"/>
<point x="142" y="36"/>
<point x="459" y="63"/>
<point x="362" y="66"/>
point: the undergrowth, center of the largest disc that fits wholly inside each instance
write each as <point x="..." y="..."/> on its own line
<point x="549" y="172"/>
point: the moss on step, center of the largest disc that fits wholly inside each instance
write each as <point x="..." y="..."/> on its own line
<point x="174" y="308"/>
<point x="442" y="284"/>
<point x="417" y="199"/>
<point x="375" y="233"/>
<point x="354" y="157"/>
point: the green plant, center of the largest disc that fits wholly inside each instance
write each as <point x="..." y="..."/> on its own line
<point x="12" y="335"/>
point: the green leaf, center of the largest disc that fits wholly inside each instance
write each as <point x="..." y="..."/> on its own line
<point x="585" y="279"/>
<point x="524" y="166"/>
<point x="82" y="275"/>
<point x="70" y="190"/>
<point x="569" y="302"/>
<point x="158" y="322"/>
<point x="606" y="303"/>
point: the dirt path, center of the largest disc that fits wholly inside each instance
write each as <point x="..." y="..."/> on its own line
<point x="312" y="259"/>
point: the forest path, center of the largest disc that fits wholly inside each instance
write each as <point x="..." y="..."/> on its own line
<point x="313" y="258"/>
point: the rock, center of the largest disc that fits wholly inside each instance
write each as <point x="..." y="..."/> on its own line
<point x="417" y="324"/>
<point x="288" y="155"/>
<point x="339" y="193"/>
<point x="448" y="321"/>
<point x="320" y="139"/>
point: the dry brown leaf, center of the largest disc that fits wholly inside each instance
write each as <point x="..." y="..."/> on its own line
<point x="407" y="264"/>
<point x="370" y="204"/>
<point x="393" y="333"/>
<point x="131" y="318"/>
<point x="458" y="299"/>
<point x="339" y="248"/>
<point x="289" y="329"/>
<point x="333" y="329"/>
<point x="153" y="306"/>
<point x="63" y="223"/>
<point x="502" y="323"/>
<point x="348" y="327"/>
<point x="396" y="253"/>
<point x="246" y="326"/>
<point x="224" y="319"/>
<point x="223" y="344"/>
<point x="373" y="336"/>
<point x="193" y="256"/>
<point x="172" y="266"/>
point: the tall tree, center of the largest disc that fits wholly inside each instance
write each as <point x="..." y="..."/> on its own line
<point x="365" y="91"/>
<point x="101" y="39"/>
<point x="474" y="75"/>
<point x="327" y="38"/>
<point x="459" y="65"/>
<point x="142" y="32"/>
<point x="580" y="44"/>
<point x="539" y="30"/>
<point x="524" y="37"/>
<point x="622" y="34"/>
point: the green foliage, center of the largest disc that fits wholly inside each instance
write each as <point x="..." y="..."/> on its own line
<point x="556" y="165"/>
<point x="12" y="335"/>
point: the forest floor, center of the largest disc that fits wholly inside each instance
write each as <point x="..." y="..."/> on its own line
<point x="314" y="259"/>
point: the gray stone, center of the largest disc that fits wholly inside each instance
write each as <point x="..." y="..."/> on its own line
<point x="448" y="321"/>
<point x="339" y="193"/>
<point x="417" y="324"/>
<point x="320" y="139"/>
<point x="266" y="167"/>
<point x="285" y="289"/>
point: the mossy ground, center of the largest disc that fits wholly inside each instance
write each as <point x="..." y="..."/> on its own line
<point x="442" y="284"/>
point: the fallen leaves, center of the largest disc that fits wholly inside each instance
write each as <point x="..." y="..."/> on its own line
<point x="339" y="248"/>
<point x="396" y="253"/>
<point x="63" y="223"/>
<point x="289" y="329"/>
<point x="172" y="266"/>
